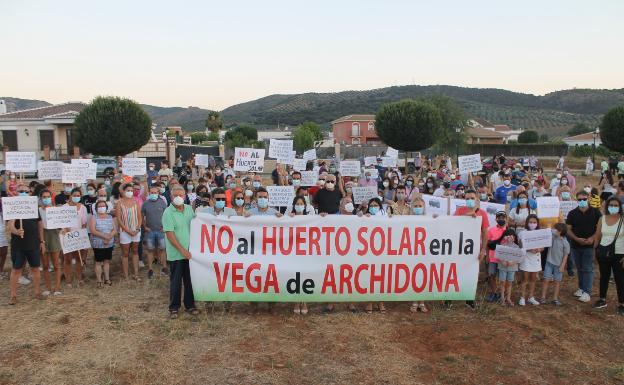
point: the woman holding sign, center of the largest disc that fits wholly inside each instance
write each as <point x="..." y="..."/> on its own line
<point x="52" y="246"/>
<point x="103" y="229"/>
<point x="80" y="255"/>
<point x="530" y="265"/>
<point x="129" y="218"/>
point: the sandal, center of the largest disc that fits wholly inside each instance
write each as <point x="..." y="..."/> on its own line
<point x="382" y="308"/>
<point x="369" y="308"/>
<point x="108" y="282"/>
<point x="13" y="300"/>
<point x="423" y="308"/>
<point x="99" y="285"/>
<point x="193" y="311"/>
<point x="136" y="278"/>
<point x="414" y="308"/>
<point x="173" y="314"/>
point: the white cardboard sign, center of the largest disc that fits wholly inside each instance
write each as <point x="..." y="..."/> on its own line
<point x="299" y="164"/>
<point x="435" y="205"/>
<point x="249" y="159"/>
<point x="470" y="163"/>
<point x="201" y="160"/>
<point x="75" y="240"/>
<point x="509" y="254"/>
<point x="350" y="168"/>
<point x="20" y="161"/>
<point x="388" y="161"/>
<point x="19" y="208"/>
<point x="280" y="149"/>
<point x="74" y="173"/>
<point x="50" y="170"/>
<point x="309" y="178"/>
<point x="536" y="239"/>
<point x="363" y="194"/>
<point x="547" y="207"/>
<point x="288" y="160"/>
<point x="374" y="173"/>
<point x="309" y="154"/>
<point x="392" y="153"/>
<point x="91" y="167"/>
<point x="370" y="161"/>
<point x="133" y="166"/>
<point x="61" y="217"/>
<point x="280" y="195"/>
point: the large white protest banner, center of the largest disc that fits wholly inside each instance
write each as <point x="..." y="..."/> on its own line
<point x="547" y="207"/>
<point x="280" y="195"/>
<point x="308" y="258"/>
<point x="201" y="160"/>
<point x="248" y="159"/>
<point x="299" y="164"/>
<point x="470" y="163"/>
<point x="309" y="154"/>
<point x="133" y="166"/>
<point x="280" y="148"/>
<point x="566" y="206"/>
<point x="74" y="173"/>
<point x="536" y="239"/>
<point x="50" y="170"/>
<point x="75" y="240"/>
<point x="309" y="178"/>
<point x="437" y="206"/>
<point x="61" y="217"/>
<point x="19" y="207"/>
<point x="91" y="167"/>
<point x="21" y="161"/>
<point x="509" y="253"/>
<point x="350" y="168"/>
<point x="363" y="194"/>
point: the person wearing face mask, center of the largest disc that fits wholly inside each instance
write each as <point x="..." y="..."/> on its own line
<point x="367" y="180"/>
<point x="484" y="195"/>
<point x="607" y="186"/>
<point x="81" y="255"/>
<point x="190" y="193"/>
<point x="238" y="204"/>
<point x="555" y="182"/>
<point x="327" y="199"/>
<point x="52" y="245"/>
<point x="129" y="219"/>
<point x="376" y="209"/>
<point x="296" y="179"/>
<point x="411" y="189"/>
<point x="401" y="206"/>
<point x="429" y="187"/>
<point x="257" y="182"/>
<point x="555" y="265"/>
<point x="176" y="221"/>
<point x="582" y="225"/>
<point x="262" y="204"/>
<point x="303" y="193"/>
<point x="102" y="229"/>
<point x="165" y="170"/>
<point x="299" y="208"/>
<point x="517" y="174"/>
<point x="219" y="177"/>
<point x="538" y="190"/>
<point x="63" y="198"/>
<point x="494" y="236"/>
<point x="218" y="205"/>
<point x="152" y="174"/>
<point x="530" y="266"/>
<point x="152" y="212"/>
<point x="501" y="193"/>
<point x="90" y="198"/>
<point x="250" y="201"/>
<point x="563" y="182"/>
<point x="389" y="189"/>
<point x="518" y="215"/>
<point x="570" y="177"/>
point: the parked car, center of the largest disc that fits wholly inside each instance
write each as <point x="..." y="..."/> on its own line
<point x="489" y="166"/>
<point x="105" y="165"/>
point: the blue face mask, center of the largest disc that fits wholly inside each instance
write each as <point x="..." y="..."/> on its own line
<point x="219" y="205"/>
<point x="23" y="194"/>
<point x="522" y="201"/>
<point x="46" y="201"/>
<point x="613" y="210"/>
<point x="76" y="199"/>
<point x="566" y="195"/>
<point x="582" y="204"/>
<point x="373" y="210"/>
<point x="471" y="203"/>
<point x="418" y="210"/>
<point x="240" y="202"/>
<point x="263" y="203"/>
<point x="153" y="197"/>
<point x="256" y="184"/>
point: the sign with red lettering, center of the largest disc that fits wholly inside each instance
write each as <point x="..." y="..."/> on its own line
<point x="310" y="258"/>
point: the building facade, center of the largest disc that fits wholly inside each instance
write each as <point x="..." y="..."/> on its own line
<point x="355" y="129"/>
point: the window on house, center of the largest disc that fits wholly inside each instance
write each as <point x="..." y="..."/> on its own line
<point x="355" y="129"/>
<point x="46" y="137"/>
<point x="371" y="126"/>
<point x="9" y="139"/>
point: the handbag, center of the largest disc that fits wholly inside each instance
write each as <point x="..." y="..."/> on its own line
<point x="609" y="250"/>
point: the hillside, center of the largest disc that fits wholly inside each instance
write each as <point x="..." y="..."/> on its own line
<point x="553" y="113"/>
<point x="14" y="104"/>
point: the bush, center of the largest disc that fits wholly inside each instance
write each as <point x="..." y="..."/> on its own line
<point x="198" y="137"/>
<point x="112" y="126"/>
<point x="213" y="137"/>
<point x="528" y="136"/>
<point x="408" y="125"/>
<point x="612" y="129"/>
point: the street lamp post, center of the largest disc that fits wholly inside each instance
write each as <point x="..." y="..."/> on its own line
<point x="594" y="134"/>
<point x="457" y="131"/>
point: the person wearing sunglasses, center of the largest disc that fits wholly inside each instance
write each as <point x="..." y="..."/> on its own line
<point x="218" y="205"/>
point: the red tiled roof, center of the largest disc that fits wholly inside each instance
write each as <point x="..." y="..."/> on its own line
<point x="501" y="127"/>
<point x="582" y="137"/>
<point x="354" y="118"/>
<point x="483" y="122"/>
<point x="478" y="132"/>
<point x="57" y="111"/>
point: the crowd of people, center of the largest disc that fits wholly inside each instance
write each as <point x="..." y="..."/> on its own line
<point x="149" y="218"/>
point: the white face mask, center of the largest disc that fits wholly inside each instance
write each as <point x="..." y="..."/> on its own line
<point x="178" y="201"/>
<point x="349" y="206"/>
<point x="587" y="189"/>
<point x="101" y="210"/>
<point x="129" y="194"/>
<point x="507" y="182"/>
<point x="248" y="193"/>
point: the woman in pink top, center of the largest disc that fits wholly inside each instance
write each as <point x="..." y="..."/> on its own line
<point x="12" y="185"/>
<point x="494" y="234"/>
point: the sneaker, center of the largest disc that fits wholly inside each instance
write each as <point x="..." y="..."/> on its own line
<point x="584" y="298"/>
<point x="141" y="264"/>
<point x="556" y="302"/>
<point x="51" y="269"/>
<point x="490" y="297"/>
<point x="497" y="297"/>
<point x="472" y="305"/>
<point x="533" y="301"/>
<point x="164" y="272"/>
<point x="521" y="302"/>
<point x="620" y="310"/>
<point x="45" y="293"/>
<point x="57" y="293"/>
<point x="150" y="274"/>
<point x="23" y="280"/>
<point x="600" y="304"/>
<point x="448" y="305"/>
<point x="578" y="293"/>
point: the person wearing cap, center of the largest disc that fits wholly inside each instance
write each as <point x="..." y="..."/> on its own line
<point x="494" y="233"/>
<point x="503" y="192"/>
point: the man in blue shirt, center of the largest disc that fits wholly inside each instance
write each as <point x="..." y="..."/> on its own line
<point x="152" y="174"/>
<point x="503" y="191"/>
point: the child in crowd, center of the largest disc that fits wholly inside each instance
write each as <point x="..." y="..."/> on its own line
<point x="494" y="235"/>
<point x="530" y="265"/>
<point x="556" y="262"/>
<point x="507" y="269"/>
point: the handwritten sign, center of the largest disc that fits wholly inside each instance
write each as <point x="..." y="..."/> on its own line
<point x="547" y="207"/>
<point x="300" y="164"/>
<point x="373" y="172"/>
<point x="370" y="161"/>
<point x="566" y="206"/>
<point x="201" y="160"/>
<point x="491" y="209"/>
<point x="309" y="178"/>
<point x="20" y="161"/>
<point x="50" y="170"/>
<point x="392" y="153"/>
<point x="133" y="166"/>
<point x="350" y="168"/>
<point x="363" y="194"/>
<point x="248" y="159"/>
<point x="536" y="239"/>
<point x="20" y="207"/>
<point x="288" y="160"/>
<point x="280" y="149"/>
<point x="387" y="161"/>
<point x="310" y="154"/>
<point x="470" y="163"/>
<point x="75" y="240"/>
<point x="435" y="205"/>
<point x="91" y="167"/>
<point x="509" y="254"/>
<point x="61" y="217"/>
<point x="280" y="195"/>
<point x="74" y="173"/>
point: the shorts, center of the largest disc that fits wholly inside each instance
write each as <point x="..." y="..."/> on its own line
<point x="155" y="239"/>
<point x="125" y="238"/>
<point x="492" y="269"/>
<point x="19" y="258"/>
<point x="506" y="276"/>
<point x="102" y="255"/>
<point x="552" y="273"/>
<point x="52" y="240"/>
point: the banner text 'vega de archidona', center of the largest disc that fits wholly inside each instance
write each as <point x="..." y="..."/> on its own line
<point x="334" y="258"/>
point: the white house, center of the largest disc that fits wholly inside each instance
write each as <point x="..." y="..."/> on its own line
<point x="586" y="139"/>
<point x="32" y="129"/>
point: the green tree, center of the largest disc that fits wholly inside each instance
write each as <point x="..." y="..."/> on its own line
<point x="303" y="138"/>
<point x="214" y="123"/>
<point x="453" y="116"/>
<point x="528" y="136"/>
<point x="198" y="137"/>
<point x="578" y="129"/>
<point x="612" y="129"/>
<point x="213" y="137"/>
<point x="314" y="128"/>
<point x="242" y="136"/>
<point x="408" y="125"/>
<point x="543" y="138"/>
<point x="112" y="126"/>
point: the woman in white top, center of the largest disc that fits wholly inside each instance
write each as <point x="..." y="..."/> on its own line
<point x="376" y="209"/>
<point x="610" y="252"/>
<point x="518" y="215"/>
<point x="530" y="266"/>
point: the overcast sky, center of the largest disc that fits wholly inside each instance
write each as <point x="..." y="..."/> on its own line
<point x="215" y="54"/>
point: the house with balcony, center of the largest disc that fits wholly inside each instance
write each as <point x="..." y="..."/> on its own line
<point x="355" y="130"/>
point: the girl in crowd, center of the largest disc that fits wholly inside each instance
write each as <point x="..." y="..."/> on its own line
<point x="411" y="190"/>
<point x="52" y="247"/>
<point x="299" y="208"/>
<point x="607" y="185"/>
<point x="238" y="204"/>
<point x="418" y="208"/>
<point x="80" y="255"/>
<point x="115" y="195"/>
<point x="430" y="186"/>
<point x="103" y="229"/>
<point x="375" y="209"/>
<point x="346" y="208"/>
<point x="388" y="190"/>
<point x="89" y="199"/>
<point x="129" y="219"/>
<point x="530" y="265"/>
<point x="518" y="215"/>
<point x="11" y="188"/>
<point x="610" y="252"/>
<point x="507" y="269"/>
<point x="190" y="192"/>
